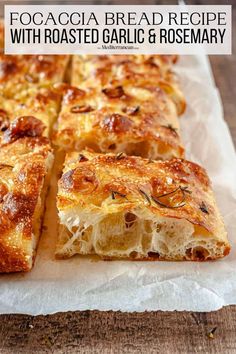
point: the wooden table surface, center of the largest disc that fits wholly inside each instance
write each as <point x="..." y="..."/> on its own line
<point x="115" y="332"/>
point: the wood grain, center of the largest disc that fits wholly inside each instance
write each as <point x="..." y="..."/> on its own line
<point x="224" y="69"/>
<point x="114" y="332"/>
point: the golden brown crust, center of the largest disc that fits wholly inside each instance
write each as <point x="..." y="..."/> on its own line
<point x="24" y="165"/>
<point x="18" y="72"/>
<point x="98" y="71"/>
<point x="22" y="127"/>
<point x="105" y="68"/>
<point x="10" y="261"/>
<point x="43" y="103"/>
<point x="139" y="120"/>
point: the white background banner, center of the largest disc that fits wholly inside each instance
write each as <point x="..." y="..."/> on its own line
<point x="116" y="29"/>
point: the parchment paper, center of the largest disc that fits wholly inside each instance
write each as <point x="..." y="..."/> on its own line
<point x="82" y="283"/>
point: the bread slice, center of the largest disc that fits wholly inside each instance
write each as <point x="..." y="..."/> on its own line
<point x="100" y="71"/>
<point x="118" y="206"/>
<point x="138" y="120"/>
<point x="25" y="162"/>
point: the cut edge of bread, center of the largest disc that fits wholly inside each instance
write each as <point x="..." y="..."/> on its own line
<point x="138" y="235"/>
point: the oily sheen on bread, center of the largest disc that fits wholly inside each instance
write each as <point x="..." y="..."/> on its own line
<point x="42" y="103"/>
<point x="19" y="72"/>
<point x="25" y="162"/>
<point x="138" y="120"/>
<point x="118" y="206"/>
<point x="99" y="71"/>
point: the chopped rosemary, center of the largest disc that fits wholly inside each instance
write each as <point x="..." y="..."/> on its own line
<point x="114" y="193"/>
<point x="162" y="204"/>
<point x="82" y="158"/>
<point x="165" y="194"/>
<point x="167" y="206"/>
<point x="185" y="189"/>
<point x="145" y="196"/>
<point x="179" y="205"/>
<point x="169" y="126"/>
<point x="203" y="208"/>
<point x="120" y="156"/>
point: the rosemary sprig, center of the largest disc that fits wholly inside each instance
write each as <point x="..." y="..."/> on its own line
<point x="203" y="208"/>
<point x="114" y="193"/>
<point x="145" y="196"/>
<point x="120" y="156"/>
<point x="169" y="193"/>
<point x="170" y="127"/>
<point x="181" y="204"/>
<point x="156" y="199"/>
<point x="184" y="190"/>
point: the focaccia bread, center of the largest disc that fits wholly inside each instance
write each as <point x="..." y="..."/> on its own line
<point x="99" y="71"/>
<point x="128" y="207"/>
<point x="18" y="72"/>
<point x="137" y="120"/>
<point x="42" y="103"/>
<point x="25" y="162"/>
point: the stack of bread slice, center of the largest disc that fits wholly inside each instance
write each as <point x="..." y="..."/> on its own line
<point x="126" y="190"/>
